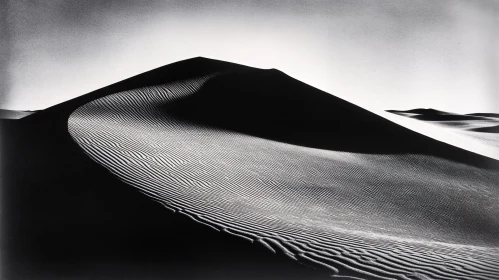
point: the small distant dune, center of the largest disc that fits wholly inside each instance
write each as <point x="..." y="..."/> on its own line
<point x="481" y="127"/>
<point x="488" y="129"/>
<point x="435" y="115"/>
<point x="267" y="158"/>
<point x="14" y="115"/>
<point x="489" y="115"/>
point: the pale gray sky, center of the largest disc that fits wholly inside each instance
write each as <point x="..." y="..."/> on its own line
<point x="381" y="54"/>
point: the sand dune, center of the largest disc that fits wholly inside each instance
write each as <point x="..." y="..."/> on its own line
<point x="267" y="158"/>
<point x="14" y="115"/>
<point x="491" y="115"/>
<point x="481" y="127"/>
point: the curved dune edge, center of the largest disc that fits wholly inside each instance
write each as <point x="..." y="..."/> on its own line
<point x="383" y="216"/>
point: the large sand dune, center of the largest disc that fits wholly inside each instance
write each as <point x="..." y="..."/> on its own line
<point x="267" y="158"/>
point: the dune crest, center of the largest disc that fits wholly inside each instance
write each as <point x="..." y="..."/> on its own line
<point x="265" y="157"/>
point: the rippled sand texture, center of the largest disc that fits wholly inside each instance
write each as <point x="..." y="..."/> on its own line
<point x="385" y="215"/>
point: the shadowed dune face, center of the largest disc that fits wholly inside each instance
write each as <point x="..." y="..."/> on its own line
<point x="271" y="105"/>
<point x="267" y="158"/>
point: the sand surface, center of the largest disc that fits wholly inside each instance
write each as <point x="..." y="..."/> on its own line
<point x="272" y="160"/>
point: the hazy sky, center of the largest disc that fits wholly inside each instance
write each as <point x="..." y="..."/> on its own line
<point x="380" y="54"/>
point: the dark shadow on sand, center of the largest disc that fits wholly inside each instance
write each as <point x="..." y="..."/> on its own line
<point x="271" y="105"/>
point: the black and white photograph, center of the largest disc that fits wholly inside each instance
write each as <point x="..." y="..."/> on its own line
<point x="251" y="139"/>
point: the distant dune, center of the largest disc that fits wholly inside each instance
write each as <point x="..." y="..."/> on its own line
<point x="490" y="115"/>
<point x="14" y="115"/>
<point x="264" y="157"/>
<point x="446" y="118"/>
<point x="482" y="127"/>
